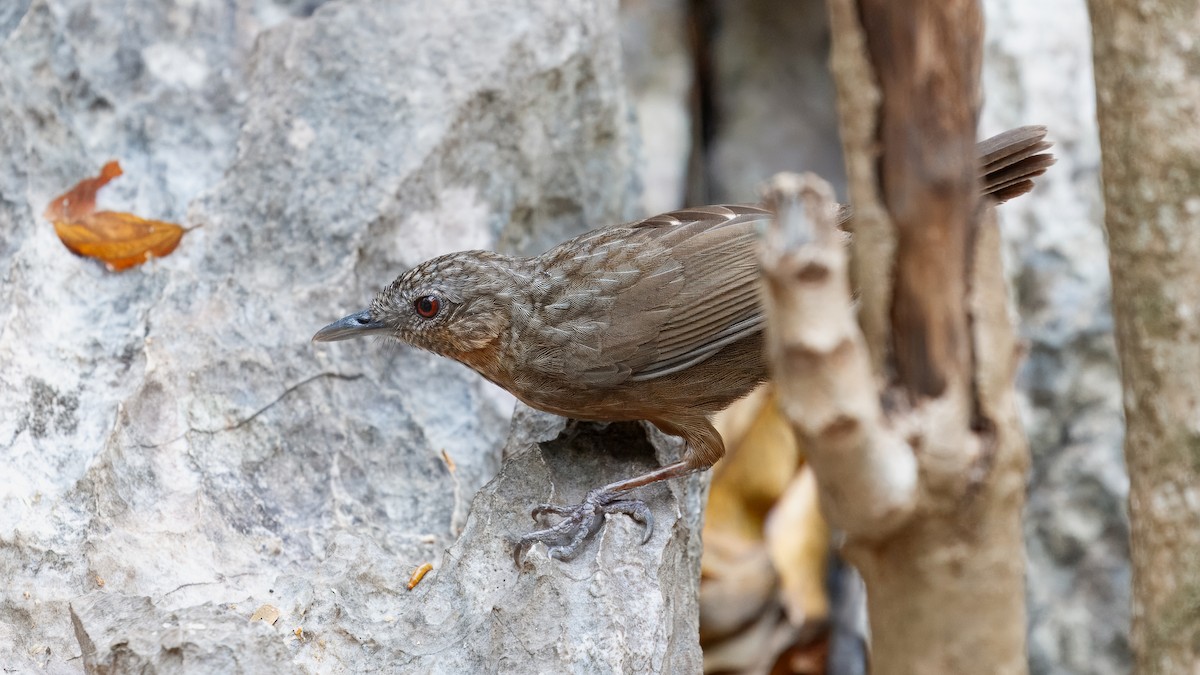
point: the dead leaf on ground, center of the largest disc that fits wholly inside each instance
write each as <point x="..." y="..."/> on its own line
<point x="763" y="601"/>
<point x="798" y="543"/>
<point x="755" y="470"/>
<point x="120" y="240"/>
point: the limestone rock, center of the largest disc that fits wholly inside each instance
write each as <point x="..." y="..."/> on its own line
<point x="618" y="607"/>
<point x="171" y="443"/>
<point x="772" y="97"/>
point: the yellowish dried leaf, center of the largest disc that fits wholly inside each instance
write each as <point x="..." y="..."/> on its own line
<point x="798" y="543"/>
<point x="754" y="473"/>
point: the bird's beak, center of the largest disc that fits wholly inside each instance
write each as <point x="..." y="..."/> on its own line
<point x="355" y="325"/>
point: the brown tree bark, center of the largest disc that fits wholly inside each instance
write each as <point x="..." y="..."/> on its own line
<point x="910" y="423"/>
<point x="1147" y="64"/>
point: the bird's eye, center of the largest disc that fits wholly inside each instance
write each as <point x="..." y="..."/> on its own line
<point x="428" y="306"/>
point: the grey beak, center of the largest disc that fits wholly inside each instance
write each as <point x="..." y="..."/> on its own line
<point x="355" y="325"/>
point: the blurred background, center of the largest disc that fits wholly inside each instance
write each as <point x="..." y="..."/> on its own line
<point x="727" y="93"/>
<point x="168" y="432"/>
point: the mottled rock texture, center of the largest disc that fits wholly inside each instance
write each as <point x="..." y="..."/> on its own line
<point x="175" y="452"/>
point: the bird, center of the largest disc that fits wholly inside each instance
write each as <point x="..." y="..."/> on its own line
<point x="657" y="319"/>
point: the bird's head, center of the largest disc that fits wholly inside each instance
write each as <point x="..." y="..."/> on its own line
<point x="452" y="305"/>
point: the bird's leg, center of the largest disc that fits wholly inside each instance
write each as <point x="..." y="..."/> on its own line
<point x="581" y="521"/>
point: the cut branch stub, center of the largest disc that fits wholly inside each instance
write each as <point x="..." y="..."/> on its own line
<point x="822" y="368"/>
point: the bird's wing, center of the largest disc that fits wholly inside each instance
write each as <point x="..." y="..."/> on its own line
<point x="650" y="298"/>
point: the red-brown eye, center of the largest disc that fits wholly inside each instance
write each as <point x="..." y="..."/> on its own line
<point x="428" y="306"/>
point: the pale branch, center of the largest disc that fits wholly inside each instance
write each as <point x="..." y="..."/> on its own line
<point x="858" y="99"/>
<point x="820" y="362"/>
<point x="997" y="351"/>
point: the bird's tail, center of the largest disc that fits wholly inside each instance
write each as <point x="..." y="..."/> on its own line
<point x="1009" y="161"/>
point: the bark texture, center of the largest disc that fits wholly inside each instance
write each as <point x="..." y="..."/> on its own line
<point x="1147" y="63"/>
<point x="944" y="568"/>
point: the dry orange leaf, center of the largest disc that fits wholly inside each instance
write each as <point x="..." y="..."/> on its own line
<point x="120" y="240"/>
<point x="419" y="574"/>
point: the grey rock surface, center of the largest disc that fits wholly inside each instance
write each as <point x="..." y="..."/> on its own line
<point x="773" y="102"/>
<point x="170" y="433"/>
<point x="129" y="634"/>
<point x="618" y="607"/>
<point x="660" y="74"/>
<point x="728" y="93"/>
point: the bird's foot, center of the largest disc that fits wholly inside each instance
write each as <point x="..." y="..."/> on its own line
<point x="580" y="522"/>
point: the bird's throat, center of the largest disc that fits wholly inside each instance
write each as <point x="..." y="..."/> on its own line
<point x="485" y="360"/>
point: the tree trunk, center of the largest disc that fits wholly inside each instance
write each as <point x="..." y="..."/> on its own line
<point x="926" y="474"/>
<point x="1147" y="62"/>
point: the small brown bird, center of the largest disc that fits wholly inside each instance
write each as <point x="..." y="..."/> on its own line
<point x="656" y="320"/>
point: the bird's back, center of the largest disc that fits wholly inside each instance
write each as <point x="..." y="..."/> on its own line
<point x="629" y="313"/>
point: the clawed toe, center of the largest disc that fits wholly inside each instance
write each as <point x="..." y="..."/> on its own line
<point x="636" y="509"/>
<point x="554" y="510"/>
<point x="580" y="522"/>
